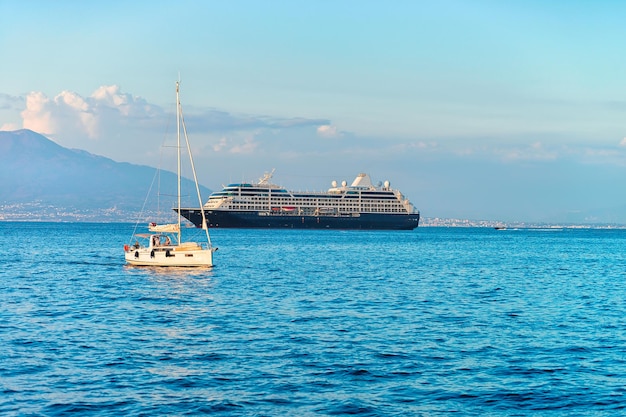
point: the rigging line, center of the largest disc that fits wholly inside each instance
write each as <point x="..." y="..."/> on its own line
<point x="164" y="145"/>
<point x="195" y="178"/>
<point x="156" y="178"/>
<point x="145" y="201"/>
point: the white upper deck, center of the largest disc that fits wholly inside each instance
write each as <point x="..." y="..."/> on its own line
<point x="361" y="196"/>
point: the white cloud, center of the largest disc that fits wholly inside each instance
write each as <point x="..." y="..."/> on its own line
<point x="125" y="104"/>
<point x="110" y="94"/>
<point x="9" y="127"/>
<point x="79" y="112"/>
<point x="72" y="100"/>
<point x="328" y="131"/>
<point x="111" y="119"/>
<point x="38" y="114"/>
<point x="220" y="145"/>
<point x="533" y="152"/>
<point x="623" y="142"/>
<point x="247" y="147"/>
<point x="70" y="115"/>
<point x="236" y="144"/>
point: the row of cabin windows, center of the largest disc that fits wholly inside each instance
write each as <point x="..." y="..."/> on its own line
<point x="248" y="189"/>
<point x="254" y="193"/>
<point x="354" y="206"/>
<point x="368" y="204"/>
<point x="258" y="201"/>
<point x="317" y="201"/>
<point x="248" y="207"/>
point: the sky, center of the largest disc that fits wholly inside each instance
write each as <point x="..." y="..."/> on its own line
<point x="483" y="110"/>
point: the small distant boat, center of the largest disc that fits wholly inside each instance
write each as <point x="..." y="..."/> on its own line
<point x="163" y="244"/>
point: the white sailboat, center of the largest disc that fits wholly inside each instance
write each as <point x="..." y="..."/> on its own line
<point x="163" y="244"/>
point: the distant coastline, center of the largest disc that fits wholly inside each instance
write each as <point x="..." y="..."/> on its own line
<point x="444" y="222"/>
<point x="42" y="212"/>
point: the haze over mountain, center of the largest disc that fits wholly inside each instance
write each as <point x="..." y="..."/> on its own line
<point x="38" y="175"/>
<point x="41" y="180"/>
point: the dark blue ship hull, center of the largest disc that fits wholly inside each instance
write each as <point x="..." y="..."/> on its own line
<point x="261" y="220"/>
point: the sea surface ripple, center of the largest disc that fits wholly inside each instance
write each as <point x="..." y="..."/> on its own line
<point x="428" y="322"/>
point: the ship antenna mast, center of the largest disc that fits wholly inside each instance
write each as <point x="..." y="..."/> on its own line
<point x="266" y="177"/>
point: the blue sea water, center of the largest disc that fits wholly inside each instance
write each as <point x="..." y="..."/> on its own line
<point x="429" y="322"/>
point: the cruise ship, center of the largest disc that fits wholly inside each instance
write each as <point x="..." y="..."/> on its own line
<point x="265" y="205"/>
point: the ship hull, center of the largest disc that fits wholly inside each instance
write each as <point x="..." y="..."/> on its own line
<point x="261" y="220"/>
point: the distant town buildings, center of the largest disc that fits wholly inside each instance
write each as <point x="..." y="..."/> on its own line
<point x="441" y="222"/>
<point x="42" y="212"/>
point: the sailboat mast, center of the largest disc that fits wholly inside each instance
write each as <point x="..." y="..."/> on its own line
<point x="178" y="151"/>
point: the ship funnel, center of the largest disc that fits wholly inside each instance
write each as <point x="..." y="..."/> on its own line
<point x="362" y="180"/>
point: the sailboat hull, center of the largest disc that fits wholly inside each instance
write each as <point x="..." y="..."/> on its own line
<point x="169" y="257"/>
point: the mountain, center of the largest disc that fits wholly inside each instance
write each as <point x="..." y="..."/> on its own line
<point x="38" y="175"/>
